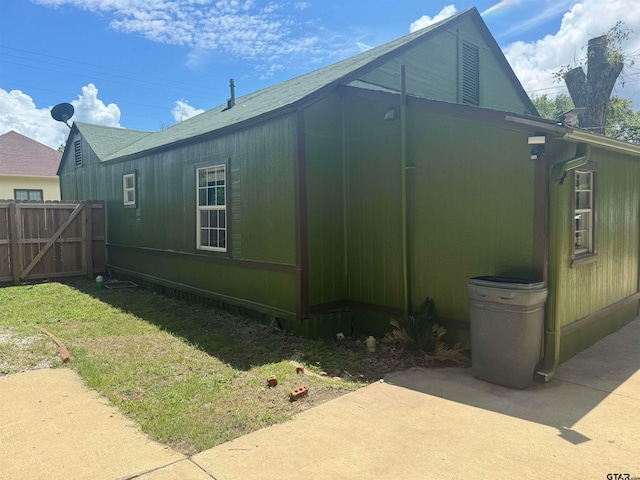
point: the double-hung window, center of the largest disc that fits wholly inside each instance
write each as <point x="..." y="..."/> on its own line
<point x="211" y="184"/>
<point x="129" y="189"/>
<point x="583" y="214"/>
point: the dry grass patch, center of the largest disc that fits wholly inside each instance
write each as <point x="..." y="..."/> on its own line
<point x="21" y="352"/>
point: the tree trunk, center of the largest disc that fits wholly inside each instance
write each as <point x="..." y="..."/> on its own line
<point x="592" y="91"/>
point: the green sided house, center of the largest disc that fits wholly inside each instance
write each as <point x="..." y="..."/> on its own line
<point x="343" y="197"/>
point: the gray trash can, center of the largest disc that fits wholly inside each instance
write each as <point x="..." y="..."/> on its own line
<point x="507" y="318"/>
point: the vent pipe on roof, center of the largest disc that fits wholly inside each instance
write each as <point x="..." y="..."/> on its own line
<point x="232" y="101"/>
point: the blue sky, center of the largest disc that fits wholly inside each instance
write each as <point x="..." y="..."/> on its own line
<point x="146" y="64"/>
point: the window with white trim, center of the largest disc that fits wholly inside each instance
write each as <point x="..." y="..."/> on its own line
<point x="583" y="213"/>
<point x="212" y="208"/>
<point x="129" y="189"/>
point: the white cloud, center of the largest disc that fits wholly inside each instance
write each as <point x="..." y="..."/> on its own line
<point x="363" y="46"/>
<point x="19" y="112"/>
<point x="182" y="111"/>
<point x="501" y="5"/>
<point x="90" y="109"/>
<point x="426" y="20"/>
<point x="540" y="16"/>
<point x="241" y="28"/>
<point x="535" y="62"/>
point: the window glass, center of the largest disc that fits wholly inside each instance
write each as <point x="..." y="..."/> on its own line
<point x="212" y="229"/>
<point x="129" y="189"/>
<point x="583" y="215"/>
<point x="27" y="194"/>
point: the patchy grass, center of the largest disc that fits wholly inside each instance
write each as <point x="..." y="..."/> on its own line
<point x="191" y="376"/>
<point x="21" y="351"/>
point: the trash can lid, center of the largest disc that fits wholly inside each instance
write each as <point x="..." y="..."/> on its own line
<point x="507" y="282"/>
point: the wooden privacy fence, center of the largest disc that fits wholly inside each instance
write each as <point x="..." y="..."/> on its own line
<point x="41" y="240"/>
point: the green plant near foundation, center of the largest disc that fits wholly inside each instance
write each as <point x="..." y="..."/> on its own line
<point x="416" y="330"/>
<point x="442" y="352"/>
<point x="422" y="332"/>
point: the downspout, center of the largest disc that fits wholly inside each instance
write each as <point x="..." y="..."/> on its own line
<point x="403" y="188"/>
<point x="583" y="152"/>
<point x="551" y="356"/>
<point x="345" y="198"/>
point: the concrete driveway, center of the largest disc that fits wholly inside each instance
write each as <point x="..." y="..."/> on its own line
<point x="437" y="423"/>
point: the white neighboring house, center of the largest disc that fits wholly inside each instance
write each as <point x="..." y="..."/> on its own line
<point x="28" y="169"/>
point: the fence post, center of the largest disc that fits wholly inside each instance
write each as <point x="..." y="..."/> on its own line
<point x="16" y="261"/>
<point x="87" y="237"/>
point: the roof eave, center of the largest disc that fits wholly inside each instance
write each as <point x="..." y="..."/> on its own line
<point x="72" y="131"/>
<point x="576" y="135"/>
<point x="288" y="109"/>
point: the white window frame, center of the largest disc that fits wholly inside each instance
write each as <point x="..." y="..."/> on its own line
<point x="126" y="190"/>
<point x="218" y="192"/>
<point x="584" y="214"/>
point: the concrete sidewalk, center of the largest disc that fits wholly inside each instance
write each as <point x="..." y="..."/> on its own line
<point x="444" y="423"/>
<point x="437" y="423"/>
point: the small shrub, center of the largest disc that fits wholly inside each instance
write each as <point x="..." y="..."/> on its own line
<point x="422" y="332"/>
<point x="416" y="330"/>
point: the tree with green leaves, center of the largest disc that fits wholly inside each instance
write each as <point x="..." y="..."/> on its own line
<point x="621" y="121"/>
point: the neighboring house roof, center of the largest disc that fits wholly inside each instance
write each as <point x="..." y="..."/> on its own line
<point x="20" y="155"/>
<point x="306" y="87"/>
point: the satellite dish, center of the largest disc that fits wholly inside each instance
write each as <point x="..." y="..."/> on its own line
<point x="62" y="113"/>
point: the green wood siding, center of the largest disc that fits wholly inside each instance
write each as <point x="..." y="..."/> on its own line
<point x="374" y="229"/>
<point x="76" y="182"/>
<point x="470" y="204"/>
<point x="271" y="292"/>
<point x="583" y="290"/>
<point x="261" y="211"/>
<point x="325" y="201"/>
<point x="471" y="208"/>
<point x="434" y="70"/>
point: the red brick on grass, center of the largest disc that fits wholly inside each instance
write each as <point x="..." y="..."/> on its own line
<point x="298" y="393"/>
<point x="272" y="381"/>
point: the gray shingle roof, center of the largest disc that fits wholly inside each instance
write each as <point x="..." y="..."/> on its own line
<point x="107" y="140"/>
<point x="276" y="97"/>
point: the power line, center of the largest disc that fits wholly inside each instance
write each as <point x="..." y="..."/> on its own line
<point x="146" y="87"/>
<point x="563" y="87"/>
<point x="32" y="87"/>
<point x="73" y="63"/>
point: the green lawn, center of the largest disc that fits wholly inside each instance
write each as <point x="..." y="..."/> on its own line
<point x="191" y="376"/>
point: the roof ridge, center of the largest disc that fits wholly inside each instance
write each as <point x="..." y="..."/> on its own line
<point x="95" y="125"/>
<point x="210" y="121"/>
